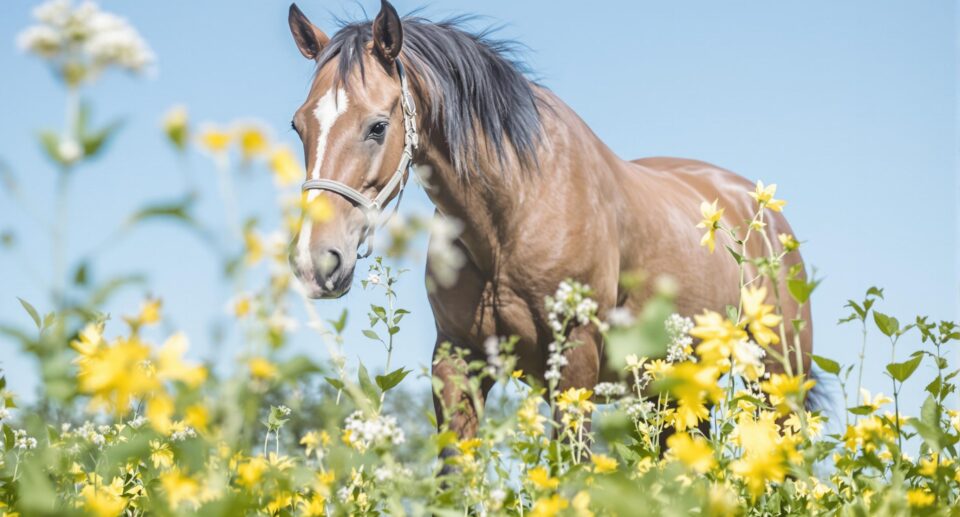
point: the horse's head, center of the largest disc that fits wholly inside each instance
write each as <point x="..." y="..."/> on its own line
<point x="353" y="135"/>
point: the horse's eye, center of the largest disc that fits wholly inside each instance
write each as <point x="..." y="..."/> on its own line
<point x="377" y="130"/>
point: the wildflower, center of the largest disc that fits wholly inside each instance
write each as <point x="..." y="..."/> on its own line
<point x="694" y="452"/>
<point x="540" y="478"/>
<point x="22" y="441"/>
<point x="314" y="441"/>
<point x="694" y="386"/>
<point x="571" y="302"/>
<point x="620" y="317"/>
<point x="678" y="332"/>
<point x="711" y="221"/>
<point x="249" y="472"/>
<point x="603" y="464"/>
<point x="876" y="402"/>
<point x="610" y="390"/>
<point x="758" y="316"/>
<point x="445" y="257"/>
<point x="576" y="400"/>
<point x="718" y="336"/>
<point x="783" y="388"/>
<point x="764" y="197"/>
<point x="373" y="279"/>
<point x="261" y="368"/>
<point x="160" y="454"/>
<point x="788" y="242"/>
<point x="116" y="374"/>
<point x="215" y="140"/>
<point x="581" y="504"/>
<point x="529" y="418"/>
<point x="104" y="500"/>
<point x="180" y="488"/>
<point x="548" y="506"/>
<point x="763" y="457"/>
<point x="172" y="367"/>
<point x="286" y="169"/>
<point x="252" y="140"/>
<point x="376" y="431"/>
<point x="920" y="497"/>
<point x="316" y="210"/>
<point x="176" y="127"/>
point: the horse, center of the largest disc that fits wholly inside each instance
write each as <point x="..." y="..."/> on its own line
<point x="541" y="198"/>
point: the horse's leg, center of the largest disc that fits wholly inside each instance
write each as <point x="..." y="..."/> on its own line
<point x="458" y="401"/>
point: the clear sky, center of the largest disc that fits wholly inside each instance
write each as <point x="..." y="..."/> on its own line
<point x="850" y="107"/>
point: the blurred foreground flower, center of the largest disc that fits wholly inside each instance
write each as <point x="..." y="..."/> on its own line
<point x="82" y="41"/>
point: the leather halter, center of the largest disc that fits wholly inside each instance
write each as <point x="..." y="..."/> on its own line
<point x="373" y="207"/>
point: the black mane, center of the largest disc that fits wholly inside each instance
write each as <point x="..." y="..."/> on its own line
<point x="469" y="82"/>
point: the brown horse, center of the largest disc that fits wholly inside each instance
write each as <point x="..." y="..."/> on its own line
<point x="541" y="198"/>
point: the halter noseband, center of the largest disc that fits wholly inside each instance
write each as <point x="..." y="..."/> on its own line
<point x="373" y="207"/>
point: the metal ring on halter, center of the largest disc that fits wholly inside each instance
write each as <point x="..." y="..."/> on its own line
<point x="373" y="207"/>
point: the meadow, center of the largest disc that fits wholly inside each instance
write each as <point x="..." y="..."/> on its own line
<point x="128" y="424"/>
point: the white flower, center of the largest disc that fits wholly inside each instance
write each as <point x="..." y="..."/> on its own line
<point x="182" y="434"/>
<point x="376" y="431"/>
<point x="620" y="317"/>
<point x="680" y="347"/>
<point x="69" y="150"/>
<point x="610" y="389"/>
<point x="285" y="410"/>
<point x="445" y="258"/>
<point x="373" y="279"/>
<point x="4" y="413"/>
<point x="138" y="422"/>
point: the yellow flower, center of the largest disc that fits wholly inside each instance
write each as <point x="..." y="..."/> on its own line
<point x="694" y="385"/>
<point x="763" y="460"/>
<point x="215" y="140"/>
<point x="286" y="169"/>
<point x="603" y="464"/>
<point x="160" y="454"/>
<point x="876" y="402"/>
<point x="280" y="501"/>
<point x="516" y="374"/>
<point x="104" y="500"/>
<point x="148" y="315"/>
<point x="115" y="375"/>
<point x="548" y="506"/>
<point x="694" y="452"/>
<point x="253" y="141"/>
<point x="172" y="367"/>
<point x="576" y="400"/>
<point x="91" y="337"/>
<point x="316" y="210"/>
<point x="758" y="316"/>
<point x="250" y="472"/>
<point x="764" y="197"/>
<point x="711" y="221"/>
<point x="581" y="504"/>
<point x="718" y="337"/>
<point x="159" y="412"/>
<point x="176" y="126"/>
<point x="262" y="368"/>
<point x="920" y="497"/>
<point x="180" y="488"/>
<point x="782" y="387"/>
<point x="197" y="416"/>
<point x="254" y="246"/>
<point x="541" y="479"/>
<point x="788" y="242"/>
<point x="529" y="418"/>
<point x="316" y="506"/>
<point x="314" y="441"/>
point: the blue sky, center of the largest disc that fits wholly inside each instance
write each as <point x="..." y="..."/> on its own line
<point x="849" y="106"/>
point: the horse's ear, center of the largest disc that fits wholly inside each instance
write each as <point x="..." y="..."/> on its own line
<point x="387" y="32"/>
<point x="310" y="40"/>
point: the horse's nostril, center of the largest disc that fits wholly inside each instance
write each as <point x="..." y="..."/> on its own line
<point x="329" y="262"/>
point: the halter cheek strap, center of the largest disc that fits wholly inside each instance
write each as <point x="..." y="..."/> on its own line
<point x="373" y="207"/>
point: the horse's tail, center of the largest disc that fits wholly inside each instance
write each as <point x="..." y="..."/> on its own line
<point x="822" y="396"/>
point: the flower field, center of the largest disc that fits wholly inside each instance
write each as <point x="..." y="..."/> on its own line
<point x="128" y="424"/>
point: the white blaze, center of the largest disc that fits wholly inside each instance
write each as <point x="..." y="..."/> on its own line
<point x="328" y="110"/>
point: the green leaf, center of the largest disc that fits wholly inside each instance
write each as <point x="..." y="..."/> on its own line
<point x="390" y="380"/>
<point x="34" y="315"/>
<point x="645" y="338"/>
<point x="51" y="146"/>
<point x="8" y="439"/>
<point x="369" y="389"/>
<point x="336" y="383"/>
<point x="801" y="289"/>
<point x="93" y="143"/>
<point x="861" y="410"/>
<point x="736" y="256"/>
<point x="887" y="324"/>
<point x="875" y="291"/>
<point x="903" y="371"/>
<point x="177" y="210"/>
<point x="372" y="335"/>
<point x="340" y="323"/>
<point x="825" y="364"/>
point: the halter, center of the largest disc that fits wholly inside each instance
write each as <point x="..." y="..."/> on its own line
<point x="373" y="207"/>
